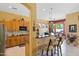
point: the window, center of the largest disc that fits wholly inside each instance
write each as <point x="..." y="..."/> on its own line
<point x="59" y="28"/>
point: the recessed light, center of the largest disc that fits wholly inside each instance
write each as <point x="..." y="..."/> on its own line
<point x="12" y="7"/>
<point x="43" y="9"/>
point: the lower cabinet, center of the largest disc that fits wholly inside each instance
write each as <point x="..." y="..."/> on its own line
<point x="16" y="41"/>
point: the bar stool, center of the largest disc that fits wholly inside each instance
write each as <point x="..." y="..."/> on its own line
<point x="58" y="47"/>
<point x="54" y="46"/>
<point x="44" y="49"/>
<point x="50" y="47"/>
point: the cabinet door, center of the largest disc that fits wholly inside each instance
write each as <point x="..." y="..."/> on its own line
<point x="10" y="42"/>
<point x="7" y="44"/>
<point x="2" y="39"/>
<point x="9" y="26"/>
<point x="17" y="40"/>
<point x="13" y="41"/>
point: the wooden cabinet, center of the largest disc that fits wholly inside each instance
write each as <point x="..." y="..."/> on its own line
<point x="16" y="41"/>
<point x="13" y="26"/>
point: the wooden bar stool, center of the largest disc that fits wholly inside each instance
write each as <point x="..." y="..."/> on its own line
<point x="44" y="49"/>
<point x="50" y="48"/>
<point x="58" y="46"/>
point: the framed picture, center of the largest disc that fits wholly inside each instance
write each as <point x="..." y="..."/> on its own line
<point x="73" y="28"/>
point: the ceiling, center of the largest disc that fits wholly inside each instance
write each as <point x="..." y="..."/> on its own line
<point x="43" y="10"/>
<point x="59" y="10"/>
<point x="15" y="8"/>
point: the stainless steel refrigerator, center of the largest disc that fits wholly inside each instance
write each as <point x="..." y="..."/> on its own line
<point x="2" y="40"/>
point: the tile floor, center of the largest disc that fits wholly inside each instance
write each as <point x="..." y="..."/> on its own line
<point x="15" y="51"/>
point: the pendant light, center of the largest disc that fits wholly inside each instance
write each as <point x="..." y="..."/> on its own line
<point x="51" y="16"/>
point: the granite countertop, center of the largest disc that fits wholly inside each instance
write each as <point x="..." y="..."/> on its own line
<point x="17" y="33"/>
<point x="43" y="41"/>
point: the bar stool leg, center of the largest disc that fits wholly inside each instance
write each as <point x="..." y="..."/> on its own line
<point x="54" y="50"/>
<point x="60" y="51"/>
<point x="51" y="52"/>
<point x="42" y="52"/>
<point x="57" y="51"/>
<point x="47" y="52"/>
